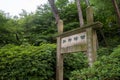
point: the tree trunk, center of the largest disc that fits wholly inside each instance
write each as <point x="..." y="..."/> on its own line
<point x="117" y="10"/>
<point x="87" y="2"/>
<point x="80" y="13"/>
<point x="54" y="10"/>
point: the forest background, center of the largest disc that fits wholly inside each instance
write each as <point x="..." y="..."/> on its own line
<point x="28" y="43"/>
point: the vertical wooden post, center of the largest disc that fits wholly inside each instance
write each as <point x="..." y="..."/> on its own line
<point x="91" y="37"/>
<point x="59" y="66"/>
<point x="89" y="14"/>
<point x="90" y="46"/>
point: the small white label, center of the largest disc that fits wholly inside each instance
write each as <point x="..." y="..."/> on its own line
<point x="73" y="40"/>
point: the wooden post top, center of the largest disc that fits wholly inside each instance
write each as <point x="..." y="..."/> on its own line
<point x="94" y="25"/>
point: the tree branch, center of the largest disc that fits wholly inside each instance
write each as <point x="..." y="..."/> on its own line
<point x="117" y="10"/>
<point x="54" y="10"/>
<point x="80" y="13"/>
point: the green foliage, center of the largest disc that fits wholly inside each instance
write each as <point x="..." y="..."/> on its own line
<point x="2" y="19"/>
<point x="36" y="62"/>
<point x="105" y="13"/>
<point x="75" y="61"/>
<point x="69" y="17"/>
<point x="104" y="51"/>
<point x="106" y="68"/>
<point x="61" y="3"/>
<point x="9" y="30"/>
<point x="39" y="26"/>
<point x="27" y="62"/>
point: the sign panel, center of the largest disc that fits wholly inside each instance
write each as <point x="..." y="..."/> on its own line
<point x="74" y="43"/>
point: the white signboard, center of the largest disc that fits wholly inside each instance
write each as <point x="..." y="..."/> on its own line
<point x="73" y="43"/>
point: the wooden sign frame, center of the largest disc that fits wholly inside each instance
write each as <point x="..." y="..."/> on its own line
<point x="77" y="47"/>
<point x="90" y="45"/>
<point x="90" y="48"/>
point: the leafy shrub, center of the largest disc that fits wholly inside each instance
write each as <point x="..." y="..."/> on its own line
<point x="103" y="51"/>
<point x="106" y="68"/>
<point x="74" y="61"/>
<point x="27" y="62"/>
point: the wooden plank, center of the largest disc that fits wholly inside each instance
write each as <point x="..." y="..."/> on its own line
<point x="89" y="15"/>
<point x="59" y="56"/>
<point x="90" y="50"/>
<point x="95" y="45"/>
<point x="95" y="25"/>
<point x="91" y="46"/>
<point x="74" y="43"/>
<point x="60" y="27"/>
<point x="91" y="38"/>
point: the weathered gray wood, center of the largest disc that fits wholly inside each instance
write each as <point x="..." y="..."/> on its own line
<point x="95" y="44"/>
<point x="74" y="43"/>
<point x="59" y="67"/>
<point x="91" y="38"/>
<point x="89" y="15"/>
<point x="76" y="46"/>
<point x="60" y="27"/>
<point x="89" y="45"/>
<point x="90" y="51"/>
<point x="94" y="25"/>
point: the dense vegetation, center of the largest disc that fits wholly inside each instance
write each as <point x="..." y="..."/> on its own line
<point x="105" y="68"/>
<point x="28" y="44"/>
<point x="28" y="62"/>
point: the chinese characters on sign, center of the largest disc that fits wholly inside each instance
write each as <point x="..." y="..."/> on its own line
<point x="74" y="43"/>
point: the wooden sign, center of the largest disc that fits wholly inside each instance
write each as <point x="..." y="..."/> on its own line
<point x="83" y="38"/>
<point x="74" y="43"/>
<point x="77" y="39"/>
